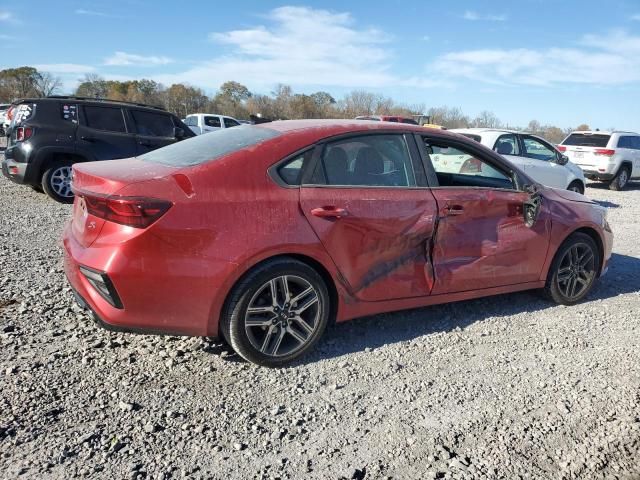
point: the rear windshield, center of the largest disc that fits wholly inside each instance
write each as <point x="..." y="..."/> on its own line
<point x="587" y="140"/>
<point x="210" y="146"/>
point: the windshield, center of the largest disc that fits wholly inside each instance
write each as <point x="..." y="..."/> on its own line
<point x="209" y="146"/>
<point x="587" y="140"/>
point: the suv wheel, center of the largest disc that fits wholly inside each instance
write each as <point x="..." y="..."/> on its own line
<point x="56" y="182"/>
<point x="276" y="313"/>
<point x="573" y="271"/>
<point x="621" y="179"/>
<point x="576" y="186"/>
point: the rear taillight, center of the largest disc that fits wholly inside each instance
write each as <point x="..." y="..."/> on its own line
<point x="604" y="151"/>
<point x="23" y="133"/>
<point x="137" y="212"/>
<point x="10" y="113"/>
<point x="561" y="148"/>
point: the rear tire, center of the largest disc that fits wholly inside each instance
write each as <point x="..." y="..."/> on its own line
<point x="621" y="179"/>
<point x="576" y="186"/>
<point x="573" y="271"/>
<point x="289" y="304"/>
<point x="56" y="182"/>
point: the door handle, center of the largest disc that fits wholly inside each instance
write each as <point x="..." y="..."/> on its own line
<point x="454" y="210"/>
<point x="146" y="144"/>
<point x="88" y="139"/>
<point x="329" y="212"/>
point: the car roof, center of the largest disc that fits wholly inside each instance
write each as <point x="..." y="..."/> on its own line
<point x="327" y="128"/>
<point x="88" y="100"/>
<point x="486" y="130"/>
<point x="601" y="132"/>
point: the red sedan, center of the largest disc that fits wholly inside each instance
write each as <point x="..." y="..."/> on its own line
<point x="264" y="234"/>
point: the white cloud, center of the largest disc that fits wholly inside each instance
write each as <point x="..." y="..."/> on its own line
<point x="72" y="68"/>
<point x="8" y="17"/>
<point x="475" y="16"/>
<point x="91" y="13"/>
<point x="597" y="60"/>
<point x="126" y="59"/>
<point x="301" y="46"/>
<point x="636" y="17"/>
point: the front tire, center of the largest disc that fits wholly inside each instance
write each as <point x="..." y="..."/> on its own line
<point x="277" y="313"/>
<point x="621" y="179"/>
<point x="576" y="186"/>
<point x="56" y="182"/>
<point x="573" y="271"/>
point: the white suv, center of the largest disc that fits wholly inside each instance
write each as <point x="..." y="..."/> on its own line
<point x="612" y="157"/>
<point x="537" y="157"/>
<point x="201" y="123"/>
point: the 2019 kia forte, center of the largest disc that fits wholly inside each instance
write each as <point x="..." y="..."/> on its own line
<point x="264" y="234"/>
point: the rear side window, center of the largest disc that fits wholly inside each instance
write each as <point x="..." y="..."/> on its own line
<point x="69" y="113"/>
<point x="587" y="140"/>
<point x="627" y="142"/>
<point x="370" y="160"/>
<point x="190" y="121"/>
<point x="211" y="146"/>
<point x="105" y="118"/>
<point x="212" y="122"/>
<point x="153" y="124"/>
<point x="291" y="171"/>
<point x="507" y="145"/>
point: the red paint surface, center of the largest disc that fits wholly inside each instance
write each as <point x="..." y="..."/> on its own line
<point x="394" y="248"/>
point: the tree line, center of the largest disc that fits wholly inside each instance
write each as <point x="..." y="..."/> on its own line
<point x="236" y="100"/>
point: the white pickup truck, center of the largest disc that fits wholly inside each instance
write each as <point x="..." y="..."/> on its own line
<point x="206" y="122"/>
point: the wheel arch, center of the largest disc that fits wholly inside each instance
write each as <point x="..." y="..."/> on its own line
<point x="317" y="265"/>
<point x="47" y="157"/>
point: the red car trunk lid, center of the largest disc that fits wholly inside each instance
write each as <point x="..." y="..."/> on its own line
<point x="103" y="179"/>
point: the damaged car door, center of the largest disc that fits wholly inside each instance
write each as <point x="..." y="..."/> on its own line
<point x="364" y="203"/>
<point x="486" y="234"/>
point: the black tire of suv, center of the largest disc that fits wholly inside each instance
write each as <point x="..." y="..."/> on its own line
<point x="232" y="321"/>
<point x="552" y="290"/>
<point x="615" y="183"/>
<point x="576" y="186"/>
<point x="48" y="187"/>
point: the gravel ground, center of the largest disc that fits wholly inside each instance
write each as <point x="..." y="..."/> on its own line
<point x="504" y="387"/>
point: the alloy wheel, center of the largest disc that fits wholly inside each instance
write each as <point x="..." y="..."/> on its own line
<point x="283" y="316"/>
<point x="577" y="271"/>
<point x="60" y="181"/>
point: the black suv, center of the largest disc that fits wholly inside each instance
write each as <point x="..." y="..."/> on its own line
<point x="48" y="135"/>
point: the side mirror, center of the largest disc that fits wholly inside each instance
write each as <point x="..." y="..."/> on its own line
<point x="562" y="159"/>
<point x="178" y="133"/>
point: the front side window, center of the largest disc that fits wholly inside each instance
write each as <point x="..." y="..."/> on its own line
<point x="457" y="167"/>
<point x="212" y="122"/>
<point x="507" y="145"/>
<point x="230" y="122"/>
<point x="109" y="119"/>
<point x="368" y="160"/>
<point x="536" y="149"/>
<point x="153" y="124"/>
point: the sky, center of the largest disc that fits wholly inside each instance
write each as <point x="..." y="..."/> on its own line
<point x="560" y="62"/>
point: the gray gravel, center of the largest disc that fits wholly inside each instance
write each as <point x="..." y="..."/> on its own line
<point x="505" y="387"/>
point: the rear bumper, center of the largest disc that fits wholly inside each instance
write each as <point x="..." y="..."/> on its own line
<point x="14" y="171"/>
<point x="162" y="292"/>
<point x="596" y="175"/>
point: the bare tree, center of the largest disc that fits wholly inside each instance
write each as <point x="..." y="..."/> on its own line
<point x="47" y="84"/>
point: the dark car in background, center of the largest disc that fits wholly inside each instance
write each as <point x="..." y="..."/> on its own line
<point x="48" y="135"/>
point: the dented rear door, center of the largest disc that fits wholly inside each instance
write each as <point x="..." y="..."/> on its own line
<point x="379" y="236"/>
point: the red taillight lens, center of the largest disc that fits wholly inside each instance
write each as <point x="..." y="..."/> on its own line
<point x="605" y="151"/>
<point x="137" y="212"/>
<point x="10" y="113"/>
<point x="561" y="148"/>
<point x="472" y="165"/>
<point x="23" y="133"/>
